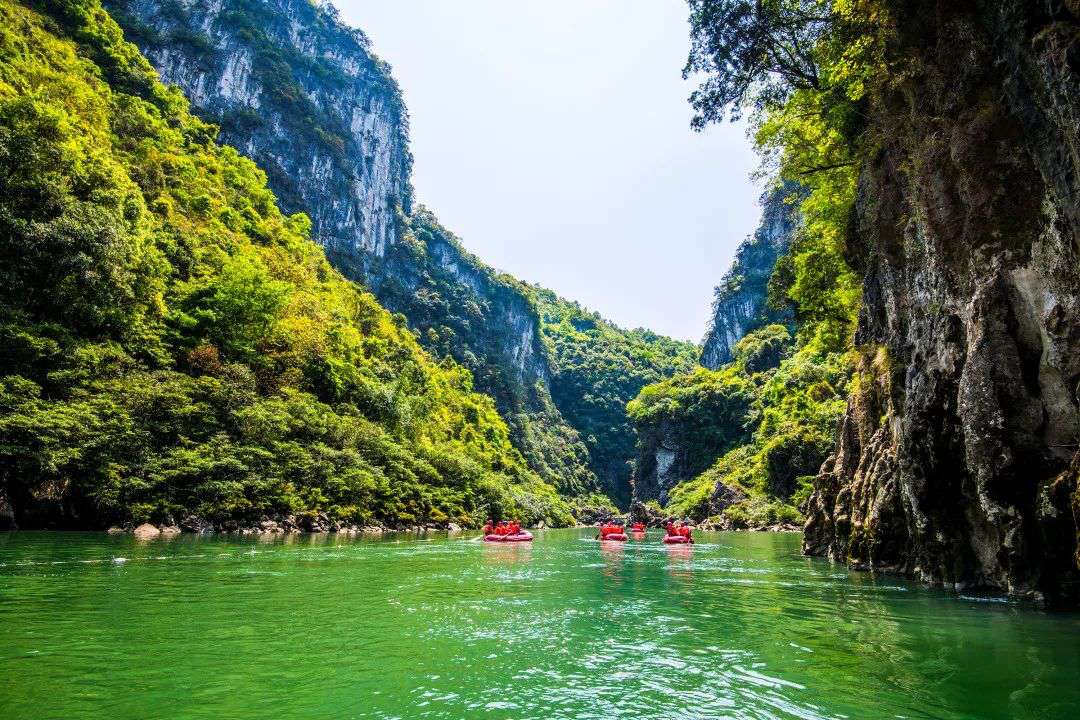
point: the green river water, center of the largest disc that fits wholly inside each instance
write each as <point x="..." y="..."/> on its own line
<point x="739" y="626"/>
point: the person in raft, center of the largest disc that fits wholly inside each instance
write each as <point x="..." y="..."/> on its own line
<point x="679" y="529"/>
<point x="638" y="527"/>
<point x="489" y="527"/>
<point x="504" y="528"/>
<point x="610" y="529"/>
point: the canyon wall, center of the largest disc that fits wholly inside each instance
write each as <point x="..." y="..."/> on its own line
<point x="302" y="94"/>
<point x="954" y="461"/>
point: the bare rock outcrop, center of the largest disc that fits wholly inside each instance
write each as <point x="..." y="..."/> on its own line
<point x="954" y="462"/>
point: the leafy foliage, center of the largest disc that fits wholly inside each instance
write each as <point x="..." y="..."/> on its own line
<point x="171" y="343"/>
<point x="488" y="322"/>
<point x="804" y="66"/>
<point x="791" y="405"/>
<point x="601" y="367"/>
<point x="704" y="412"/>
<point x="764" y="46"/>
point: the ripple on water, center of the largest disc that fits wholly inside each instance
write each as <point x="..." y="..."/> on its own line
<point x="737" y="626"/>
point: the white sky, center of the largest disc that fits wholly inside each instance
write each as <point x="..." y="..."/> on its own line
<point x="553" y="137"/>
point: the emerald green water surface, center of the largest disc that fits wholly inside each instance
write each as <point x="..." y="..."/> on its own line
<point x="741" y="626"/>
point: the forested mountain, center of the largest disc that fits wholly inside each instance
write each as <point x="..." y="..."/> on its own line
<point x="599" y="368"/>
<point x="937" y="262"/>
<point x="174" y="348"/>
<point x="302" y="95"/>
<point x="736" y="441"/>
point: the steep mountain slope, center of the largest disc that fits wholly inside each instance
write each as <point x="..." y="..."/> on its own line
<point x="953" y="459"/>
<point x="302" y="95"/>
<point x="740" y="300"/>
<point x="939" y="144"/>
<point x="599" y="368"/>
<point x="738" y="447"/>
<point x="175" y="348"/>
<point x="736" y="442"/>
<point x="489" y="322"/>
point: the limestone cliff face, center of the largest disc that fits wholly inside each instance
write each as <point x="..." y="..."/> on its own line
<point x="739" y="307"/>
<point x="739" y="301"/>
<point x="659" y="465"/>
<point x="300" y="94"/>
<point x="303" y="96"/>
<point x="953" y="460"/>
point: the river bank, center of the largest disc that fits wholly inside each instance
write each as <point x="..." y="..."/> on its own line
<point x="292" y="525"/>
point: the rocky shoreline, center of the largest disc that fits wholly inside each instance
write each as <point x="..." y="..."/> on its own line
<point x="322" y="525"/>
<point x="285" y="525"/>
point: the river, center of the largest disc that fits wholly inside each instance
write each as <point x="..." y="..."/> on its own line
<point x="738" y="626"/>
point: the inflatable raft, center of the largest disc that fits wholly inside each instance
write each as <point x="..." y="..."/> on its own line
<point x="617" y="537"/>
<point x="523" y="536"/>
<point x="678" y="540"/>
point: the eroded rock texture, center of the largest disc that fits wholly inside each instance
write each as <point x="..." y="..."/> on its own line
<point x="332" y="137"/>
<point x="954" y="461"/>
<point x="739" y="301"/>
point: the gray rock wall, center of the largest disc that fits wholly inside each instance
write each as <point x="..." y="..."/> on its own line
<point x="300" y="94"/>
<point x="953" y="460"/>
<point x="303" y="96"/>
<point x="739" y="301"/>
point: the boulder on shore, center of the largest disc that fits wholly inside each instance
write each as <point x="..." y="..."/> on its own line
<point x="640" y="512"/>
<point x="146" y="531"/>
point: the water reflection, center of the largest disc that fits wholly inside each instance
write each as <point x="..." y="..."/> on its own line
<point x="680" y="561"/>
<point x="738" y="626"/>
<point x="613" y="555"/>
<point x="507" y="553"/>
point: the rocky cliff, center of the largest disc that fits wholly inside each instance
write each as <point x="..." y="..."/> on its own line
<point x="303" y="95"/>
<point x="954" y="462"/>
<point x="299" y="93"/>
<point x="739" y="301"/>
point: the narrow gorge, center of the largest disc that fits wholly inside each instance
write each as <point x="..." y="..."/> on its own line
<point x="302" y="95"/>
<point x="888" y="363"/>
<point x="276" y="442"/>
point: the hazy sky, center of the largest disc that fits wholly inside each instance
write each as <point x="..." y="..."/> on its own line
<point x="552" y="136"/>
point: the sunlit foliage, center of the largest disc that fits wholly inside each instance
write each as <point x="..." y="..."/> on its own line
<point x="600" y="368"/>
<point x="803" y="68"/>
<point x="171" y="343"/>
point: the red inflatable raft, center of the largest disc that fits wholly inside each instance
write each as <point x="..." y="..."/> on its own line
<point x="523" y="536"/>
<point x="678" y="540"/>
<point x="617" y="537"/>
